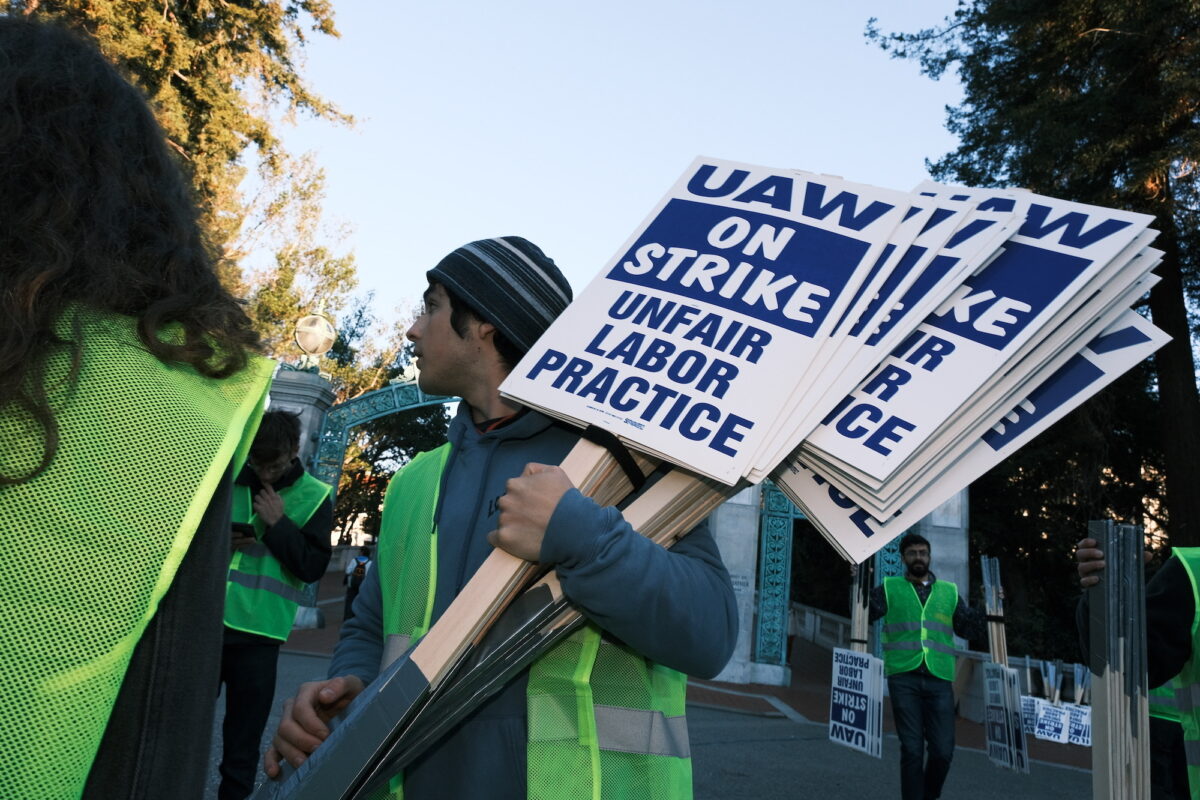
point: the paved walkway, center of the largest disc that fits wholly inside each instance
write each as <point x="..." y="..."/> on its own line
<point x="764" y="742"/>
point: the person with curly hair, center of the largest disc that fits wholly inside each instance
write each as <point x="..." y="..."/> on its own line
<point x="128" y="390"/>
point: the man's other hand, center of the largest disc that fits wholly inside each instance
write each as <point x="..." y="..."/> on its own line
<point x="1089" y="560"/>
<point x="305" y="720"/>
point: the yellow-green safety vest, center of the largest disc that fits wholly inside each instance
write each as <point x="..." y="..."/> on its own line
<point x="261" y="594"/>
<point x="1187" y="682"/>
<point x="603" y="722"/>
<point x="91" y="545"/>
<point x="913" y="633"/>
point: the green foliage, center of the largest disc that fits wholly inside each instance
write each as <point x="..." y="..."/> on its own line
<point x="306" y="275"/>
<point x="213" y="70"/>
<point x="219" y="75"/>
<point x="378" y="449"/>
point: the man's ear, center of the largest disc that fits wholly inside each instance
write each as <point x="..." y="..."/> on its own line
<point x="485" y="331"/>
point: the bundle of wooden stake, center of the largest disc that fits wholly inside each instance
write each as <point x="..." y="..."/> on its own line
<point x="1005" y="729"/>
<point x="1120" y="707"/>
<point x="491" y="631"/>
<point x="864" y="581"/>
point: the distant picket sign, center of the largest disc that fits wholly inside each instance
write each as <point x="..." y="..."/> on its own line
<point x="1079" y="724"/>
<point x="856" y="702"/>
<point x="1051" y="722"/>
<point x="1029" y="714"/>
<point x="996" y="717"/>
<point x="1003" y="729"/>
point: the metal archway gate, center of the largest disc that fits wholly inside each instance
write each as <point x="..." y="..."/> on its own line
<point x="339" y="419"/>
<point x="776" y="519"/>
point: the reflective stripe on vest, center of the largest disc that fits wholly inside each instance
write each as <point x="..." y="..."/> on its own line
<point x="631" y="730"/>
<point x="114" y="527"/>
<point x="1163" y="703"/>
<point x="1187" y="682"/>
<point x="596" y="710"/>
<point x="914" y="633"/>
<point x="261" y="594"/>
<point x="266" y="583"/>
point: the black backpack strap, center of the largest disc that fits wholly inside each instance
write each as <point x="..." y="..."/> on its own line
<point x="613" y="445"/>
<point x="620" y="452"/>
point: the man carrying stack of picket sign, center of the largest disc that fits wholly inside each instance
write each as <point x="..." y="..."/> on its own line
<point x="720" y="339"/>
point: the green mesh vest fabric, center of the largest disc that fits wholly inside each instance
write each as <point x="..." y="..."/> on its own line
<point x="91" y="545"/>
<point x="408" y="565"/>
<point x="1187" y="682"/>
<point x="913" y="633"/>
<point x="261" y="594"/>
<point x="603" y="722"/>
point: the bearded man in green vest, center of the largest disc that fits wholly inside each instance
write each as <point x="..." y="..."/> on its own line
<point x="281" y="522"/>
<point x="601" y="714"/>
<point x="921" y="616"/>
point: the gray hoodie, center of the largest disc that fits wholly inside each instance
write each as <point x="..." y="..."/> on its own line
<point x="675" y="607"/>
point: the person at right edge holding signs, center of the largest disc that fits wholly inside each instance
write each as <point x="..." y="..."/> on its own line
<point x="602" y="713"/>
<point x="1173" y="671"/>
<point x="921" y="616"/>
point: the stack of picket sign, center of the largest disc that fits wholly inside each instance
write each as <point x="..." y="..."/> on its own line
<point x="1004" y="729"/>
<point x="873" y="351"/>
<point x="855" y="343"/>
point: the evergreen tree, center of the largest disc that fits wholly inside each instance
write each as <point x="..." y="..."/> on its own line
<point x="1094" y="101"/>
<point x="214" y="71"/>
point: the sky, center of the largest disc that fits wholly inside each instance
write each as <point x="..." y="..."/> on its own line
<point x="565" y="122"/>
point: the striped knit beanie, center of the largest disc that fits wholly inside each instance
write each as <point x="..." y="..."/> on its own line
<point x="509" y="282"/>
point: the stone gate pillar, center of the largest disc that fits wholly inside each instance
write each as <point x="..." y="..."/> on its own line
<point x="306" y="394"/>
<point x="734" y="526"/>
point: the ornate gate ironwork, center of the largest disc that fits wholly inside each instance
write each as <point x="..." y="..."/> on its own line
<point x="335" y="428"/>
<point x="774" y="574"/>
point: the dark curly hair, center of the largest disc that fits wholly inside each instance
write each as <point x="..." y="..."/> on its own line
<point x="278" y="435"/>
<point x="95" y="213"/>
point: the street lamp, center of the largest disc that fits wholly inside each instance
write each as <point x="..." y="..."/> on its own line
<point x="315" y="335"/>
